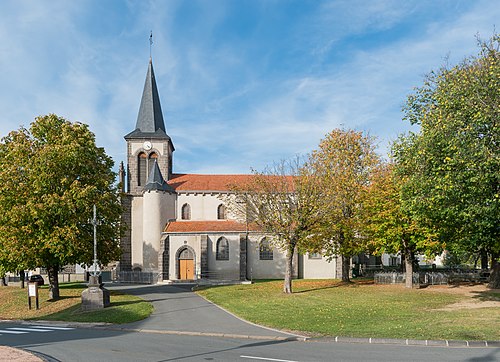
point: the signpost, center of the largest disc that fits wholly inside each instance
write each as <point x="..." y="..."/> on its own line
<point x="32" y="292"/>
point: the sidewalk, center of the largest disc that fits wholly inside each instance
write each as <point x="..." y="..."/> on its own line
<point x="17" y="355"/>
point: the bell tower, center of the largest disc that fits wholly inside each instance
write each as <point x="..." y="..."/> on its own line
<point x="149" y="201"/>
<point x="149" y="142"/>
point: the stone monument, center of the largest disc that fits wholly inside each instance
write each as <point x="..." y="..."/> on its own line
<point x="95" y="296"/>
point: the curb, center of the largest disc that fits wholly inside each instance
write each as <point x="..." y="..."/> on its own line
<point x="292" y="338"/>
<point x="207" y="334"/>
<point x="407" y="342"/>
<point x="292" y="335"/>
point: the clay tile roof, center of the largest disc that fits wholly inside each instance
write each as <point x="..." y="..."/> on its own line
<point x="207" y="226"/>
<point x="196" y="182"/>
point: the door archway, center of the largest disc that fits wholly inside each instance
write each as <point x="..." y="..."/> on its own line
<point x="185" y="263"/>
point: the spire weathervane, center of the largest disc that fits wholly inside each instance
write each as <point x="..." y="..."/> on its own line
<point x="150" y="43"/>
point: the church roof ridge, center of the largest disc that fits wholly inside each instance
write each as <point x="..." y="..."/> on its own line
<point x="207" y="182"/>
<point x="210" y="174"/>
<point x="196" y="226"/>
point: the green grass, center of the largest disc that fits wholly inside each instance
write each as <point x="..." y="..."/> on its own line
<point x="123" y="309"/>
<point x="360" y="310"/>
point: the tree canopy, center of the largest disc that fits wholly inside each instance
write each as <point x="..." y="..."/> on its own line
<point x="342" y="165"/>
<point x="451" y="165"/>
<point x="283" y="202"/>
<point x="50" y="177"/>
<point x="388" y="227"/>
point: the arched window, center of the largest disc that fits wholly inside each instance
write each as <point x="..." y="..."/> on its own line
<point x="265" y="251"/>
<point x="221" y="212"/>
<point x="222" y="252"/>
<point x="186" y="212"/>
<point x="152" y="157"/>
<point x="142" y="172"/>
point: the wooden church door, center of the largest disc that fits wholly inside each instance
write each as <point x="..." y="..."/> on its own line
<point x="186" y="265"/>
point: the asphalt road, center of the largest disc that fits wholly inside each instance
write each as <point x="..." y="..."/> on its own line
<point x="185" y="327"/>
<point x="95" y="344"/>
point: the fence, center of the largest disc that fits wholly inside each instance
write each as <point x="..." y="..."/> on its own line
<point x="62" y="277"/>
<point x="432" y="278"/>
<point x="221" y="275"/>
<point x="135" y="277"/>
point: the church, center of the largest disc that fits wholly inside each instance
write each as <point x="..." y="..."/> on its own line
<point x="177" y="225"/>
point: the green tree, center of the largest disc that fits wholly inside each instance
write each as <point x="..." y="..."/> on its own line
<point x="2" y="276"/>
<point x="388" y="227"/>
<point x="451" y="165"/>
<point x="282" y="201"/>
<point x="50" y="177"/>
<point x="342" y="164"/>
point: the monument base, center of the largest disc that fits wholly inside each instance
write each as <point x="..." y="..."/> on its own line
<point x="95" y="296"/>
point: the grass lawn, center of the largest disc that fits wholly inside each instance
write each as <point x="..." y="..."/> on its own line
<point x="123" y="309"/>
<point x="362" y="309"/>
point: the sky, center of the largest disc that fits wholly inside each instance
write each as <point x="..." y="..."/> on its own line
<point x="243" y="84"/>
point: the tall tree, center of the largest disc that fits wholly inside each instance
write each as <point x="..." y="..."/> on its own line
<point x="388" y="227"/>
<point x="452" y="163"/>
<point x="283" y="202"/>
<point x="50" y="176"/>
<point x="343" y="164"/>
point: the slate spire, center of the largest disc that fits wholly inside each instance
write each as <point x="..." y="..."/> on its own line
<point x="156" y="181"/>
<point x="150" y="118"/>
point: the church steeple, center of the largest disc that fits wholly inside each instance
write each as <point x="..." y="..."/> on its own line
<point x="149" y="140"/>
<point x="150" y="122"/>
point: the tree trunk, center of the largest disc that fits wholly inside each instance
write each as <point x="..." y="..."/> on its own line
<point x="494" y="259"/>
<point x="22" y="275"/>
<point x="409" y="269"/>
<point x="495" y="275"/>
<point x="484" y="259"/>
<point x="346" y="268"/>
<point x="53" y="282"/>
<point x="287" y="285"/>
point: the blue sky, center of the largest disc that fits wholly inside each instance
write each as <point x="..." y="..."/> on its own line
<point x="242" y="83"/>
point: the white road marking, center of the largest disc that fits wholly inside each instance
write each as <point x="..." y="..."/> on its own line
<point x="11" y="332"/>
<point x="30" y="329"/>
<point x="268" y="359"/>
<point x="54" y="328"/>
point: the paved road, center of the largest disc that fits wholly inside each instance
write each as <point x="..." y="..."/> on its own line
<point x="179" y="309"/>
<point x="86" y="344"/>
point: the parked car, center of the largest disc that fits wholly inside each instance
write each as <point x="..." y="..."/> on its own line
<point x="37" y="278"/>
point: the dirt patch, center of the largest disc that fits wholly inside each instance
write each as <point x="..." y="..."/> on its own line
<point x="14" y="354"/>
<point x="475" y="296"/>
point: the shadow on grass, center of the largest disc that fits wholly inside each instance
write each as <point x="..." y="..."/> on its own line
<point x="300" y="291"/>
<point x="127" y="302"/>
<point x="123" y="310"/>
<point x="63" y="297"/>
<point x="487" y="295"/>
<point x="351" y="284"/>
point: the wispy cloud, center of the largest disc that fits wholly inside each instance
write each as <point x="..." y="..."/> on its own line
<point x="241" y="84"/>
